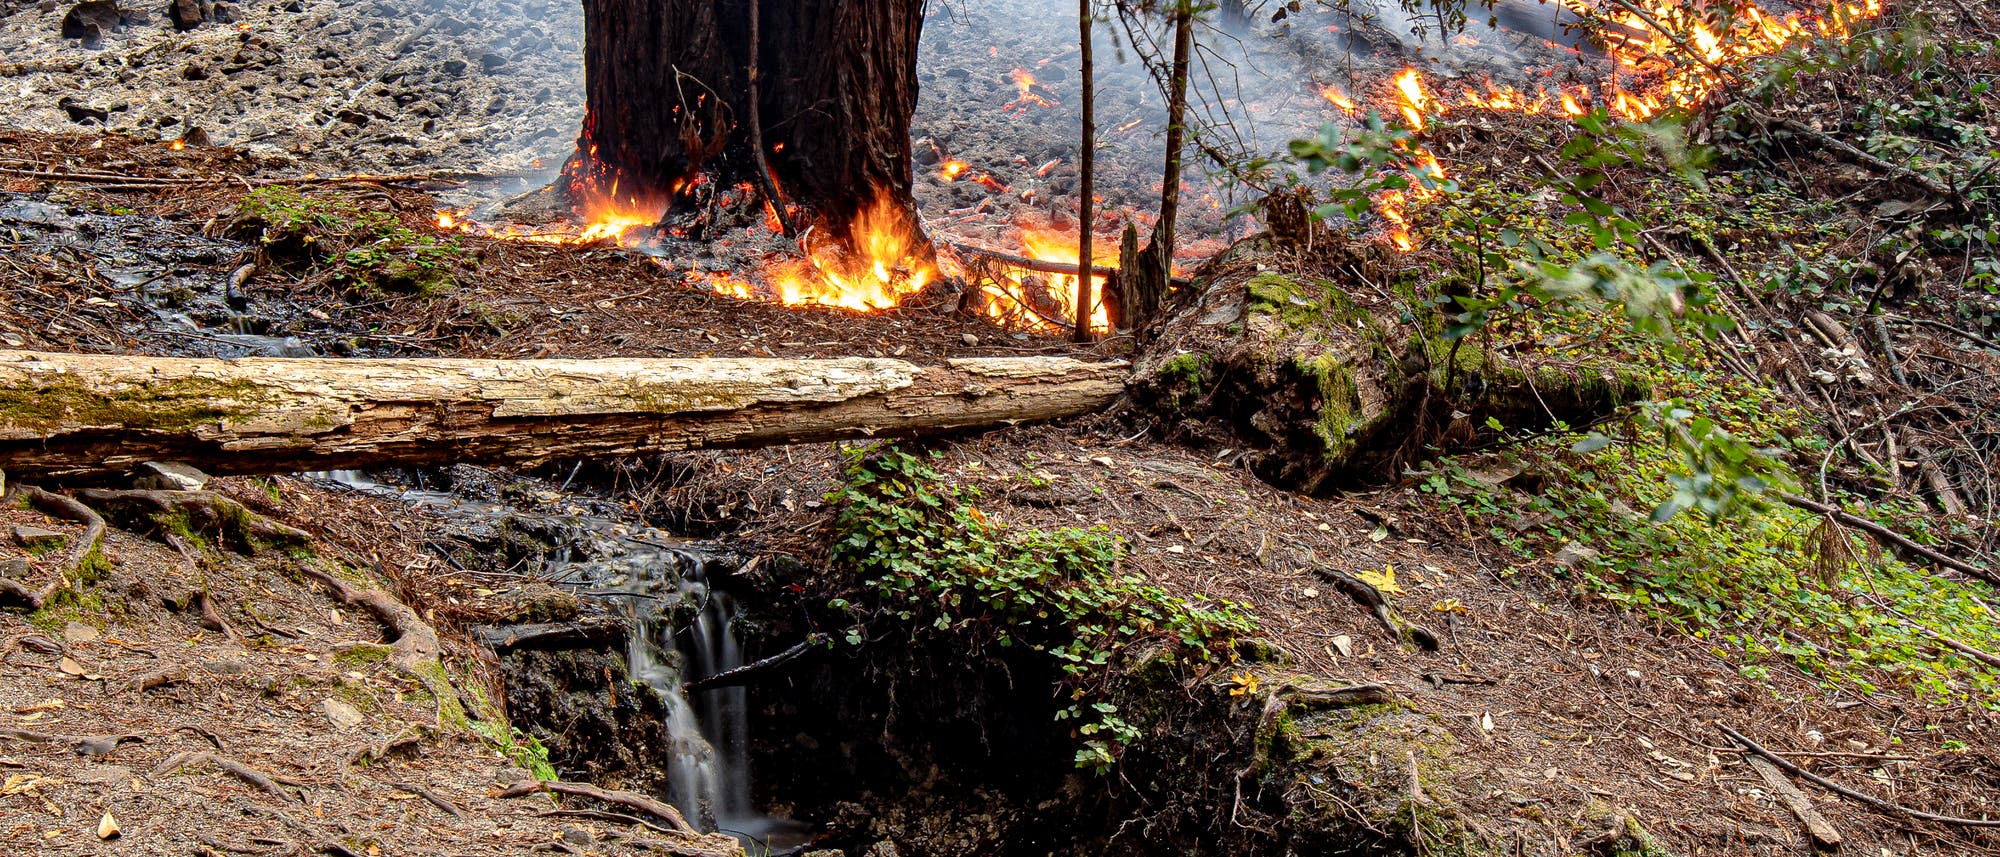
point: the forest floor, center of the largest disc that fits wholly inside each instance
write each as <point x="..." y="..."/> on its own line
<point x="1559" y="693"/>
<point x="1555" y="699"/>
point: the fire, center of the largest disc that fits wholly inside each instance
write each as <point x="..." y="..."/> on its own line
<point x="1677" y="51"/>
<point x="1040" y="301"/>
<point x="885" y="266"/>
<point x="1025" y="82"/>
<point x="950" y="170"/>
<point x="177" y="145"/>
<point x="1339" y="99"/>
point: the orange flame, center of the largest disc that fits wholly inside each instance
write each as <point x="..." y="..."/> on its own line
<point x="1675" y="49"/>
<point x="949" y="170"/>
<point x="1039" y="301"/>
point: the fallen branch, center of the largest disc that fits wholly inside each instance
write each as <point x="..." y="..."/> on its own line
<point x="1825" y="140"/>
<point x="1892" y="537"/>
<point x="1823" y="834"/>
<point x="433" y="798"/>
<point x="1878" y="803"/>
<point x="96" y="416"/>
<point x="747" y="672"/>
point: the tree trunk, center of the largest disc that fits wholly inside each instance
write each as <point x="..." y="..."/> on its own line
<point x="668" y="96"/>
<point x="1146" y="291"/>
<point x="1086" y="204"/>
<point x="91" y="416"/>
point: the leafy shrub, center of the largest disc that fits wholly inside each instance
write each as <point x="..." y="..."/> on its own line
<point x="927" y="557"/>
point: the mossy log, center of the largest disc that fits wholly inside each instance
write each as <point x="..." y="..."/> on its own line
<point x="92" y="417"/>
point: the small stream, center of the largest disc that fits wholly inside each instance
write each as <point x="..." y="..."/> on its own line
<point x="682" y="628"/>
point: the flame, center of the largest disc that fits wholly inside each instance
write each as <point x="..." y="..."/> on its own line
<point x="1044" y="302"/>
<point x="1025" y="83"/>
<point x="1670" y="46"/>
<point x="884" y="268"/>
<point x="1339" y="99"/>
<point x="177" y="145"/>
<point x="949" y="170"/>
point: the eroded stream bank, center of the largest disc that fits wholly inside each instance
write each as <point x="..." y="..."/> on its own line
<point x="905" y="733"/>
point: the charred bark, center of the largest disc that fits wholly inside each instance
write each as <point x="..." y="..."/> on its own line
<point x="670" y="98"/>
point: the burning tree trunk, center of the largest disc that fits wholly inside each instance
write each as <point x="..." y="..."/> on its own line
<point x="670" y="99"/>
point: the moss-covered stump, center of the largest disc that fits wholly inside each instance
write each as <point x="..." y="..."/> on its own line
<point x="1328" y="379"/>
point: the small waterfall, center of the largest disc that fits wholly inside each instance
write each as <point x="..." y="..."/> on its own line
<point x="711" y="748"/>
<point x="682" y="628"/>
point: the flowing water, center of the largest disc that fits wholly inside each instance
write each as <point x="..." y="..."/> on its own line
<point x="682" y="629"/>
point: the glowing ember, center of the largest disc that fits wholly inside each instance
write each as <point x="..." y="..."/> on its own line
<point x="950" y="170"/>
<point x="177" y="145"/>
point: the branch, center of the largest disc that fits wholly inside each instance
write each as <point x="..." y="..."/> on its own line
<point x="1892" y="537"/>
<point x="743" y="674"/>
<point x="1878" y="803"/>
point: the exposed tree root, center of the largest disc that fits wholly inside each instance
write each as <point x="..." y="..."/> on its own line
<point x="55" y="505"/>
<point x="1373" y="601"/>
<point x="433" y="798"/>
<point x="224" y="764"/>
<point x="687" y="842"/>
<point x="196" y="513"/>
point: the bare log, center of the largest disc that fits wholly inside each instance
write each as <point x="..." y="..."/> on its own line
<point x="94" y="416"/>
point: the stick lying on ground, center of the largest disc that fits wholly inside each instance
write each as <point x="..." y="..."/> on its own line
<point x="93" y="416"/>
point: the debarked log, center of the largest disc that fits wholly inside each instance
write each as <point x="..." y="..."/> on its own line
<point x="93" y="416"/>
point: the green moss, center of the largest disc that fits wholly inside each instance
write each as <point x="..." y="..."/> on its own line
<point x="175" y="405"/>
<point x="1301" y="306"/>
<point x="1182" y="381"/>
<point x="1340" y="408"/>
<point x="76" y="600"/>
<point x="361" y="655"/>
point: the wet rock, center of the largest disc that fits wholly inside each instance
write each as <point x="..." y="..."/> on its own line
<point x="169" y="476"/>
<point x="38" y="539"/>
<point x="91" y="19"/>
<point x="189" y="14"/>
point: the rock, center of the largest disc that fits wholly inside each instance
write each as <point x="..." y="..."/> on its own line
<point x="91" y="19"/>
<point x="1573" y="554"/>
<point x="77" y="632"/>
<point x="168" y="476"/>
<point x="343" y="715"/>
<point x="189" y="14"/>
<point x="576" y="836"/>
<point x="226" y="667"/>
<point x="224" y="13"/>
<point x="969" y="339"/>
<point x="34" y="539"/>
<point x="14" y="567"/>
<point x="80" y="112"/>
<point x="885" y="848"/>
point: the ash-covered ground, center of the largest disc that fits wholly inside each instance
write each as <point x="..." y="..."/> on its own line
<point x="494" y="89"/>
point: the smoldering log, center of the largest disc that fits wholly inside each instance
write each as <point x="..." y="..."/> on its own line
<point x="85" y="417"/>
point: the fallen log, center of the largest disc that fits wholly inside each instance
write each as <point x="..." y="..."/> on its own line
<point x="93" y="416"/>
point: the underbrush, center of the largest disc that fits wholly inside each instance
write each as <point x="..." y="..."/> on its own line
<point x="927" y="559"/>
<point x="1764" y="586"/>
<point x="360" y="250"/>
